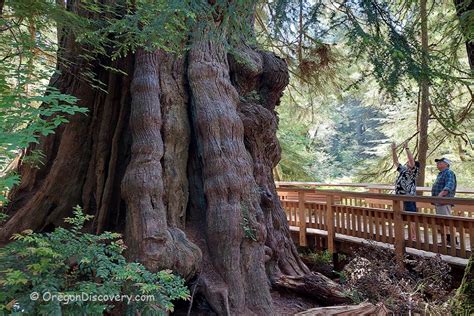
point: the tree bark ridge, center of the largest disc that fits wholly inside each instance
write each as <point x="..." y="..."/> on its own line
<point x="149" y="238"/>
<point x="228" y="183"/>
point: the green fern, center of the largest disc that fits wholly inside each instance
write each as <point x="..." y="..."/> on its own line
<point x="67" y="264"/>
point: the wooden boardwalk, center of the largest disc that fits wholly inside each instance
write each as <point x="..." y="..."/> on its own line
<point x="366" y="216"/>
<point x="360" y="241"/>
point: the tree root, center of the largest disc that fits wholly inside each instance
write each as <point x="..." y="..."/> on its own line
<point x="348" y="310"/>
<point x="314" y="285"/>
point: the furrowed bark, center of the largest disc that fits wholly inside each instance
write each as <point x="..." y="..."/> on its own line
<point x="260" y="80"/>
<point x="149" y="238"/>
<point x="228" y="181"/>
<point x="176" y="137"/>
<point x="39" y="201"/>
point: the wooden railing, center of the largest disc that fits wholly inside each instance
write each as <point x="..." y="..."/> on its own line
<point x="425" y="207"/>
<point x="366" y="187"/>
<point x="357" y="214"/>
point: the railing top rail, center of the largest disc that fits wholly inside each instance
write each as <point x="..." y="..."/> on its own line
<point x="422" y="189"/>
<point x="382" y="196"/>
<point x="359" y="185"/>
<point x="416" y="214"/>
<point x="321" y="184"/>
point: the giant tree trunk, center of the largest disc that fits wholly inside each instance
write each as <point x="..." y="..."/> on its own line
<point x="177" y="155"/>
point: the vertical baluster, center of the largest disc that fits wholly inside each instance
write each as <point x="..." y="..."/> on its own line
<point x="417" y="231"/>
<point x="350" y="231"/>
<point x="302" y="218"/>
<point x="434" y="232"/>
<point x="319" y="222"/>
<point x="330" y="223"/>
<point x="359" y="225"/>
<point x="378" y="225"/>
<point x="290" y="212"/>
<point x="452" y="232"/>
<point x="410" y="235"/>
<point x="344" y="220"/>
<point x="384" y="226"/>
<point x="471" y="237"/>
<point x="443" y="237"/>
<point x="426" y="240"/>
<point x="364" y="223"/>
<point x="337" y="214"/>
<point x="462" y="240"/>
<point x="389" y="227"/>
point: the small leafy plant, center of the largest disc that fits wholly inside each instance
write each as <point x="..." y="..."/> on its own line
<point x="74" y="273"/>
<point x="249" y="231"/>
<point x="320" y="258"/>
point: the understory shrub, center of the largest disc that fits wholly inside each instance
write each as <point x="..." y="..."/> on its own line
<point x="68" y="272"/>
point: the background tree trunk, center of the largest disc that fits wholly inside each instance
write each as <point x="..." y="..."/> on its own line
<point x="462" y="7"/>
<point x="425" y="97"/>
<point x="178" y="156"/>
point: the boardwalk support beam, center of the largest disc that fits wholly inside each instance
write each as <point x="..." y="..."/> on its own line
<point x="399" y="233"/>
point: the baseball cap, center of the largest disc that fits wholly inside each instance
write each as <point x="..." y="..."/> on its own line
<point x="446" y="160"/>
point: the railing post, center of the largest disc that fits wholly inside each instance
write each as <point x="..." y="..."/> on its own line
<point x="302" y="218"/>
<point x="330" y="223"/>
<point x="399" y="233"/>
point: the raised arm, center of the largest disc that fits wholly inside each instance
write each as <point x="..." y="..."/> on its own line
<point x="394" y="155"/>
<point x="411" y="160"/>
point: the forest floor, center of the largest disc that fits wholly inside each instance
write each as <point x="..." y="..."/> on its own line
<point x="284" y="304"/>
<point x="290" y="304"/>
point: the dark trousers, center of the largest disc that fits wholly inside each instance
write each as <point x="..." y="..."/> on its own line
<point x="409" y="206"/>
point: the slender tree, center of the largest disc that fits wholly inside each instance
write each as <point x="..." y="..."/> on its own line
<point x="424" y="106"/>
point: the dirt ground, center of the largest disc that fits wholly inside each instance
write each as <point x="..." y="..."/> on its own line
<point x="290" y="304"/>
<point x="284" y="304"/>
